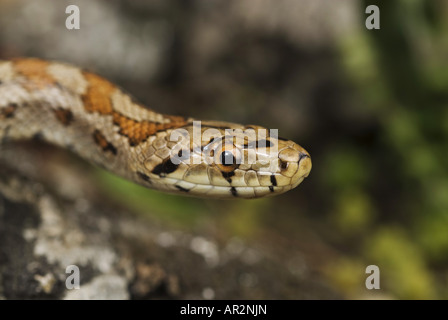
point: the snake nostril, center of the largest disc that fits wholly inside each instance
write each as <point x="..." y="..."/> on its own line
<point x="302" y="156"/>
<point x="284" y="164"/>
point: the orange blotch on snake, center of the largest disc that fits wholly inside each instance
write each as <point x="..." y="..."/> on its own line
<point x="97" y="97"/>
<point x="139" y="131"/>
<point x="34" y="70"/>
<point x="64" y="116"/>
<point x="100" y="140"/>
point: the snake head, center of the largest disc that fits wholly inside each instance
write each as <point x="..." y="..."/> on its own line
<point x="223" y="160"/>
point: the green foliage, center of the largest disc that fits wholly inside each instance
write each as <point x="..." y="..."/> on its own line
<point x="180" y="211"/>
<point x="348" y="275"/>
<point x="402" y="265"/>
<point x="353" y="213"/>
<point x="344" y="167"/>
<point x="401" y="76"/>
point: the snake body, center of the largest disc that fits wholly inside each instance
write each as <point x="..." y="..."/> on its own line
<point x="81" y="111"/>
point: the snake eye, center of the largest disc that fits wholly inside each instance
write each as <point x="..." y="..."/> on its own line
<point x="228" y="160"/>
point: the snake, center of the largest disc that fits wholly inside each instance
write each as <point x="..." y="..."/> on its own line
<point x="83" y="112"/>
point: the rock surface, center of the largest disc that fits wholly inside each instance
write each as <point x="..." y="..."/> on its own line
<point x="44" y="229"/>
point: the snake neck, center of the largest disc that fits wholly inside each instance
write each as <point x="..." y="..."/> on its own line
<point x="77" y="110"/>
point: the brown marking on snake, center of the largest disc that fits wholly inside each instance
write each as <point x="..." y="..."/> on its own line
<point x="233" y="192"/>
<point x="273" y="180"/>
<point x="164" y="168"/>
<point x="228" y="175"/>
<point x="138" y="132"/>
<point x="34" y="70"/>
<point x="8" y="112"/>
<point x="97" y="97"/>
<point x="271" y="188"/>
<point x="64" y="116"/>
<point x="100" y="140"/>
<point x="182" y="189"/>
<point x="143" y="176"/>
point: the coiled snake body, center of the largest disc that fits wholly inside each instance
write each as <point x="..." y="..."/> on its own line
<point x="87" y="114"/>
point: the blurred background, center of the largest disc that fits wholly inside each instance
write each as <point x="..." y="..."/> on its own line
<point x="369" y="105"/>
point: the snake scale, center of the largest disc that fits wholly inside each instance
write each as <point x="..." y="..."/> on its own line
<point x="83" y="112"/>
